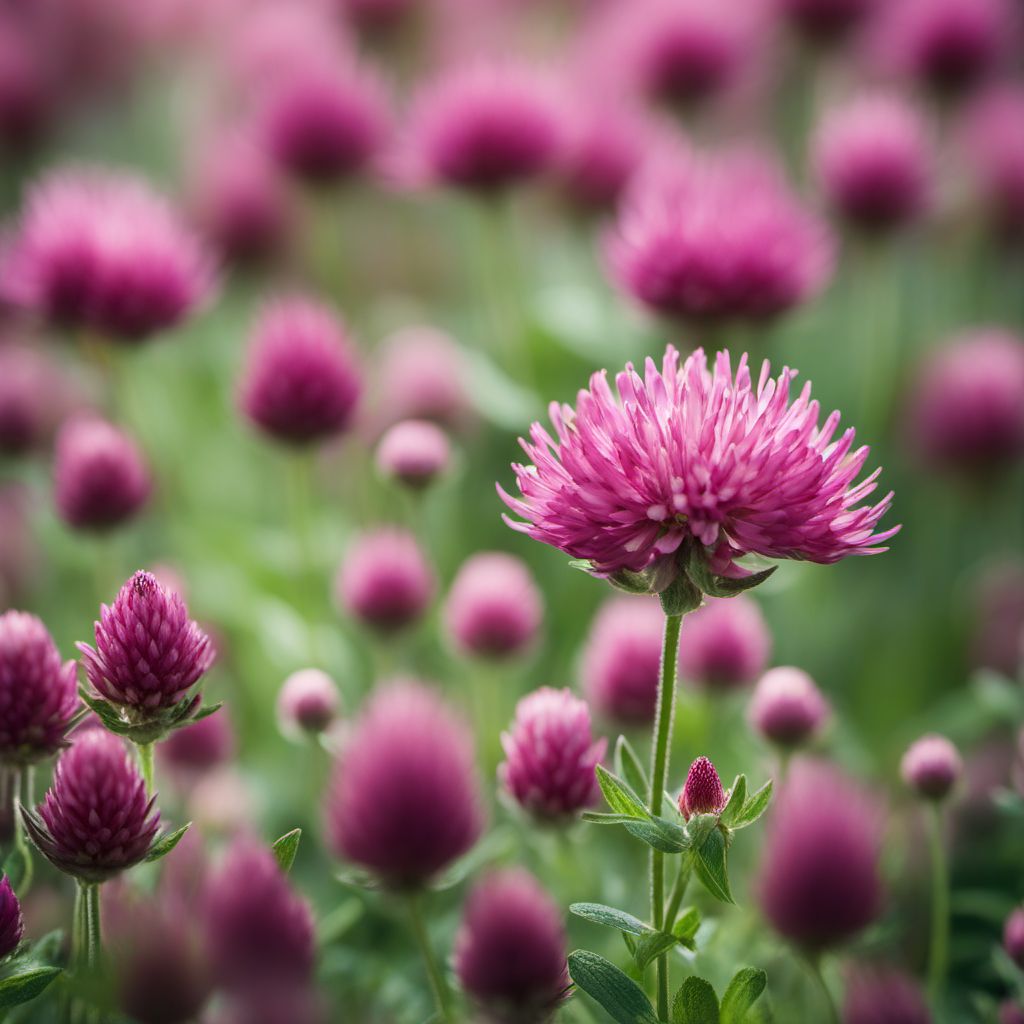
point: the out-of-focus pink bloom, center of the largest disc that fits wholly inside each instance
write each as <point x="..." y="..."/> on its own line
<point x="510" y="949"/>
<point x="222" y="802"/>
<point x="100" y="250"/>
<point x="931" y="767"/>
<point x="378" y="17"/>
<point x="787" y="708"/>
<point x="725" y="644"/>
<point x="199" y="747"/>
<point x="12" y="925"/>
<point x="308" y="702"/>
<point x="819" y="882"/>
<point x="414" y="452"/>
<point x="551" y="755"/>
<point x="32" y="398"/>
<point x="301" y="382"/>
<point x="992" y="142"/>
<point x="18" y="552"/>
<point x="1010" y="1012"/>
<point x="28" y="89"/>
<point x="967" y="409"/>
<point x="883" y="995"/>
<point x="826" y="22"/>
<point x="1013" y="936"/>
<point x="494" y="609"/>
<point x="622" y="659"/>
<point x="702" y="792"/>
<point x="718" y="237"/>
<point x="385" y="581"/>
<point x="874" y="161"/>
<point x="692" y="452"/>
<point x="405" y="801"/>
<point x="100" y="478"/>
<point x="998" y="639"/>
<point x="485" y="126"/>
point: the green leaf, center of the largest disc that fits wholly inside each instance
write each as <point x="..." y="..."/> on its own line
<point x="650" y="947"/>
<point x="610" y="916"/>
<point x="20" y="988"/>
<point x="628" y="765"/>
<point x="600" y="818"/>
<point x="710" y="866"/>
<point x="620" y="797"/>
<point x="695" y="1003"/>
<point x="621" y="997"/>
<point x="48" y="948"/>
<point x="285" y="848"/>
<point x="166" y="843"/>
<point x="746" y="986"/>
<point x="680" y="596"/>
<point x="686" y="926"/>
<point x="666" y="836"/>
<point x="205" y="711"/>
<point x="18" y="867"/>
<point x="754" y="807"/>
<point x="737" y="797"/>
<point x="338" y="921"/>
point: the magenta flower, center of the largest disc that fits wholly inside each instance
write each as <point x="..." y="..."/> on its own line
<point x="551" y="755"/>
<point x="718" y="237"/>
<point x="100" y="478"/>
<point x="724" y="644"/>
<point x="699" y="456"/>
<point x="702" y="793"/>
<point x="95" y="820"/>
<point x="818" y="882"/>
<point x="874" y="160"/>
<point x="931" y="767"/>
<point x="826" y="22"/>
<point x="405" y="800"/>
<point x="998" y="602"/>
<point x="308" y="702"/>
<point x="99" y="250"/>
<point x="1013" y="936"/>
<point x="494" y="609"/>
<point x="12" y="926"/>
<point x="485" y="127"/>
<point x="414" y="453"/>
<point x="30" y="399"/>
<point x="302" y="382"/>
<point x="622" y="659"/>
<point x="385" y="581"/>
<point x="259" y="932"/>
<point x="967" y="409"/>
<point x="510" y="949"/>
<point x="38" y="691"/>
<point x="197" y="748"/>
<point x="883" y="995"/>
<point x="787" y="708"/>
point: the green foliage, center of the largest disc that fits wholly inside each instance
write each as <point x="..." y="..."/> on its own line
<point x="286" y="847"/>
<point x="620" y="996"/>
<point x="164" y="844"/>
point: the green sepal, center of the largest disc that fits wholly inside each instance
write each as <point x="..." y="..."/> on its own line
<point x="709" y="864"/>
<point x="737" y="798"/>
<point x="148" y="726"/>
<point x="622" y="998"/>
<point x="165" y="843"/>
<point x="753" y="807"/>
<point x="680" y="596"/>
<point x="285" y="848"/>
<point x="630" y="582"/>
<point x="720" y="586"/>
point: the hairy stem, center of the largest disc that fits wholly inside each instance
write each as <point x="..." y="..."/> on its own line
<point x="146" y="765"/>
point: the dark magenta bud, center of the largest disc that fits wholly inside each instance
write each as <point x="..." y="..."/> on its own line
<point x="703" y="792"/>
<point x="12" y="927"/>
<point x="931" y="767"/>
<point x="1013" y="936"/>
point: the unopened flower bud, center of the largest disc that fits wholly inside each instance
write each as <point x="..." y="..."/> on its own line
<point x="703" y="792"/>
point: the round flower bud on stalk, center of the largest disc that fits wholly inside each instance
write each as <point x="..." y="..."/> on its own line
<point x="95" y="820"/>
<point x="100" y="478"/>
<point x="883" y="995"/>
<point x="724" y="644"/>
<point x="510" y="949"/>
<point x="12" y="926"/>
<point x="787" y="708"/>
<point x="931" y="767"/>
<point x="551" y="756"/>
<point x="405" y="799"/>
<point x="818" y="882"/>
<point x="1013" y="936"/>
<point x="494" y="609"/>
<point x="622" y="659"/>
<point x="385" y="580"/>
<point x="414" y="452"/>
<point x="703" y="792"/>
<point x="38" y="691"/>
<point x="308" y="702"/>
<point x="301" y="383"/>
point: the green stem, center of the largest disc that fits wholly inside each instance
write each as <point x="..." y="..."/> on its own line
<point x="20" y="839"/>
<point x="301" y="495"/>
<point x="146" y="764"/>
<point x="94" y="945"/>
<point x="938" y="953"/>
<point x="79" y="932"/>
<point x="814" y="964"/>
<point x="437" y="983"/>
<point x="659" y="774"/>
<point x="678" y="891"/>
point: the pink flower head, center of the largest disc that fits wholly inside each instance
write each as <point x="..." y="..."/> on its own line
<point x="931" y="767"/>
<point x="405" y="801"/>
<point x="28" y="87"/>
<point x="308" y="701"/>
<point x="724" y="644"/>
<point x="694" y="454"/>
<point x="148" y="652"/>
<point x="385" y="580"/>
<point x="883" y="995"/>
<point x="95" y="820"/>
<point x="485" y="126"/>
<point x="551" y="755"/>
<point x="100" y="478"/>
<point x="38" y="691"/>
<point x="826" y="22"/>
<point x="259" y="932"/>
<point x="710" y="238"/>
<point x="787" y="708"/>
<point x="101" y="251"/>
<point x="12" y="926"/>
<point x="494" y="609"/>
<point x="622" y="659"/>
<point x="30" y="399"/>
<point x="414" y="453"/>
<point x="1013" y="936"/>
<point x="510" y="949"/>
<point x="967" y="412"/>
<point x="702" y="792"/>
<point x="818" y="882"/>
<point x="301" y="383"/>
<point x="998" y="603"/>
<point x="199" y="747"/>
<point x="875" y="162"/>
